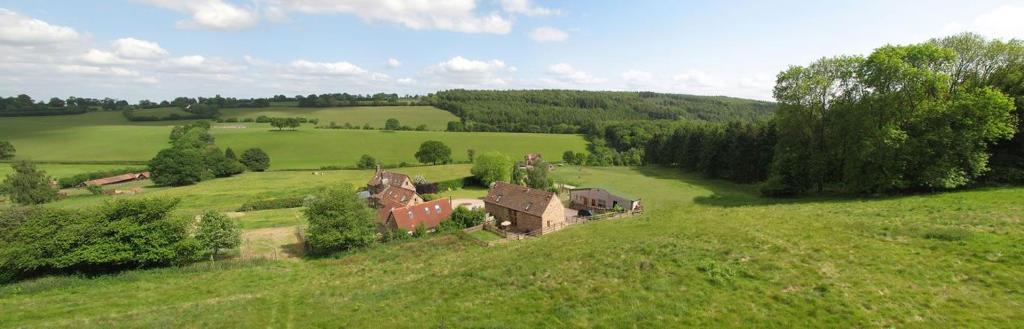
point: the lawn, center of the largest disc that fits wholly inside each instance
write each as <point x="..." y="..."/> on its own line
<point x="108" y="137"/>
<point x="375" y="116"/>
<point x="704" y="254"/>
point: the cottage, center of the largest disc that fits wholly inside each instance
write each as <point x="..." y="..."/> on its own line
<point x="383" y="178"/>
<point x="428" y="214"/>
<point x="600" y="199"/>
<point x="526" y="209"/>
<point x="394" y="197"/>
<point x="123" y="178"/>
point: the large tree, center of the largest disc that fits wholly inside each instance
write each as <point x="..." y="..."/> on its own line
<point x="255" y="159"/>
<point x="216" y="232"/>
<point x="434" y="152"/>
<point x="6" y="150"/>
<point x="492" y="167"/>
<point x="177" y="166"/>
<point x="27" y="185"/>
<point x="338" y="221"/>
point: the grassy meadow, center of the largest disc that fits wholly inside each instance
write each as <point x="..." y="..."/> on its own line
<point x="375" y="116"/>
<point x="109" y="137"/>
<point x="705" y="254"/>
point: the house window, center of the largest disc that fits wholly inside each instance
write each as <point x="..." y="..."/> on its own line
<point x="593" y="203"/>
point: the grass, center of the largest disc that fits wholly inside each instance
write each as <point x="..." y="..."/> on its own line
<point x="107" y="136"/>
<point x="704" y="254"/>
<point x="485" y="236"/>
<point x="227" y="194"/>
<point x="375" y="116"/>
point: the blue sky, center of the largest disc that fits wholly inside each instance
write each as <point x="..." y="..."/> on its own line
<point x="158" y="49"/>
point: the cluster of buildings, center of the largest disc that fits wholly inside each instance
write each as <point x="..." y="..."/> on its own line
<point x="512" y="208"/>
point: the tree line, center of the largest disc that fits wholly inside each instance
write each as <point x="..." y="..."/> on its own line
<point x="573" y="111"/>
<point x="346" y="99"/>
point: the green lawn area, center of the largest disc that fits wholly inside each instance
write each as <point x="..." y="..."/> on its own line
<point x="375" y="116"/>
<point x="107" y="136"/>
<point x="485" y="236"/>
<point x="227" y="194"/>
<point x="704" y="254"/>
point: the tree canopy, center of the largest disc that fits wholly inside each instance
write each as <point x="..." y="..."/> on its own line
<point x="434" y="152"/>
<point x="339" y="221"/>
<point x="492" y="167"/>
<point x="28" y="185"/>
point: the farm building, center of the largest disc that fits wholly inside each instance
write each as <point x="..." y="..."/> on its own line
<point x="428" y="214"/>
<point x="526" y="209"/>
<point x="123" y="178"/>
<point x="592" y="198"/>
<point x="382" y="179"/>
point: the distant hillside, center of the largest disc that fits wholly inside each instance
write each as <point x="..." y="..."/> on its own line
<point x="570" y="111"/>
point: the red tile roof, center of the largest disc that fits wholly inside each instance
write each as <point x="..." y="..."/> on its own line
<point x="389" y="178"/>
<point x="428" y="214"/>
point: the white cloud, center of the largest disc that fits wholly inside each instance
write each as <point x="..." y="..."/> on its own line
<point x="211" y="14"/>
<point x="637" y="78"/>
<point x="463" y="72"/>
<point x="138" y="49"/>
<point x="393" y="63"/>
<point x="319" y="68"/>
<point x="23" y="30"/>
<point x="1004" y="22"/>
<point x="451" y="15"/>
<point x="548" y="34"/>
<point x="698" y="81"/>
<point x="100" y="57"/>
<point x="523" y="7"/>
<point x="566" y="73"/>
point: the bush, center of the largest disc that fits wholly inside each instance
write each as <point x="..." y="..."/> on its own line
<point x="339" y="221"/>
<point x="6" y="150"/>
<point x="366" y="162"/>
<point x="279" y="203"/>
<point x="465" y="217"/>
<point x="123" y="234"/>
<point x="255" y="159"/>
<point x="717" y="273"/>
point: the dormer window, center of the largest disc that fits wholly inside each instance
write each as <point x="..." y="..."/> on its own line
<point x="410" y="213"/>
<point x="437" y="208"/>
<point x="528" y="205"/>
<point x="498" y="198"/>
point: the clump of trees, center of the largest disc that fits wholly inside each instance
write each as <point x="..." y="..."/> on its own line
<point x="28" y="185"/>
<point x="193" y="157"/>
<point x="492" y="167"/>
<point x="339" y="221"/>
<point x="281" y="123"/>
<point x="574" y="158"/>
<point x="7" y="150"/>
<point x="366" y="162"/>
<point x="915" y="117"/>
<point x="255" y="159"/>
<point x="434" y="152"/>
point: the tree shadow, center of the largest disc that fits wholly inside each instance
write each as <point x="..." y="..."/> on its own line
<point x="728" y="194"/>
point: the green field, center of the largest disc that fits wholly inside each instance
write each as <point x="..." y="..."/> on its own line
<point x="375" y="116"/>
<point x="705" y="254"/>
<point x="108" y="136"/>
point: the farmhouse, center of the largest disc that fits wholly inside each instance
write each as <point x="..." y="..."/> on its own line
<point x="116" y="179"/>
<point x="394" y="197"/>
<point x="428" y="214"/>
<point x="593" y="198"/>
<point x="526" y="209"/>
<point x="383" y="178"/>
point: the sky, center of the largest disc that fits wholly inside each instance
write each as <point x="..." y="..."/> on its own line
<point x="160" y="49"/>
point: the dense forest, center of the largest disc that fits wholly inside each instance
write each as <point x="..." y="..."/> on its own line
<point x="574" y="111"/>
<point x="937" y="115"/>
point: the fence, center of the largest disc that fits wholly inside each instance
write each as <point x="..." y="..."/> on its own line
<point x="582" y="220"/>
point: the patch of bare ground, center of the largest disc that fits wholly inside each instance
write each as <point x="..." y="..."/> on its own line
<point x="271" y="243"/>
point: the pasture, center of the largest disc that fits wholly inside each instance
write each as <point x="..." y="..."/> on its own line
<point x="704" y="254"/>
<point x="375" y="116"/>
<point x="105" y="137"/>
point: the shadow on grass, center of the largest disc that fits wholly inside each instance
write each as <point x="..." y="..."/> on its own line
<point x="728" y="194"/>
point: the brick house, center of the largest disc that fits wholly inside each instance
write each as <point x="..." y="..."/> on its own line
<point x="526" y="209"/>
<point x="383" y="178"/>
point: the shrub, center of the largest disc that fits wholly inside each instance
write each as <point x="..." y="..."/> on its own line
<point x="339" y="221"/>
<point x="465" y="217"/>
<point x="366" y="162"/>
<point x="255" y="159"/>
<point x="717" y="273"/>
<point x="279" y="203"/>
<point x="6" y="150"/>
<point x="119" y="235"/>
